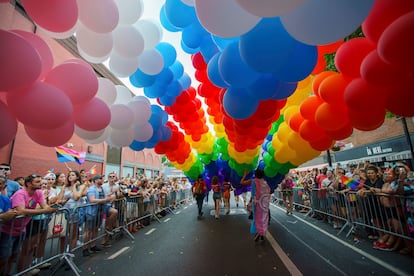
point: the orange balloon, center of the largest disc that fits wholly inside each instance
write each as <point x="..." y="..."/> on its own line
<point x="323" y="143"/>
<point x="310" y="131"/>
<point x="332" y="88"/>
<point x="341" y="133"/>
<point x="295" y="121"/>
<point x="309" y="106"/>
<point x="319" y="78"/>
<point x="331" y="117"/>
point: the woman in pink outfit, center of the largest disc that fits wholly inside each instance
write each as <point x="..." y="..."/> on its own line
<point x="261" y="199"/>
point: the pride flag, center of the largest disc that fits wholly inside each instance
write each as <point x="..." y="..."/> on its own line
<point x="69" y="155"/>
<point x="92" y="170"/>
<point x="350" y="182"/>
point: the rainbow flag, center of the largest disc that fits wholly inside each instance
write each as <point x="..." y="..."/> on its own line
<point x="69" y="155"/>
<point x="350" y="183"/>
<point x="92" y="170"/>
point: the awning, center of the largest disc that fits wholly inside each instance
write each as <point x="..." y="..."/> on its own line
<point x="399" y="156"/>
<point x="319" y="166"/>
<point x="372" y="159"/>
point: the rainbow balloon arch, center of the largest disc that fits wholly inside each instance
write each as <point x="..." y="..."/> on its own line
<point x="261" y="70"/>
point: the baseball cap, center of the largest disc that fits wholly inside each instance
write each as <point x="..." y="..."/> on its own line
<point x="96" y="177"/>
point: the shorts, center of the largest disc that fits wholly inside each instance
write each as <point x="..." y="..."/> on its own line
<point x="10" y="245"/>
<point x="93" y="221"/>
<point x="36" y="226"/>
<point x="287" y="192"/>
<point x="216" y="196"/>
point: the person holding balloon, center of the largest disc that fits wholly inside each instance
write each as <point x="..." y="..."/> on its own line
<point x="261" y="200"/>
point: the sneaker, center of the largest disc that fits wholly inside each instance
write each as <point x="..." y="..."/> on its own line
<point x="96" y="249"/>
<point x="34" y="271"/>
<point x="44" y="265"/>
<point x="106" y="245"/>
<point x="109" y="232"/>
<point x="86" y="253"/>
<point x="256" y="237"/>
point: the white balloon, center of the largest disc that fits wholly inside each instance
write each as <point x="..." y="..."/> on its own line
<point x="122" y="66"/>
<point x="123" y="95"/>
<point x="141" y="110"/>
<point x="93" y="44"/>
<point x="188" y="2"/>
<point x="100" y="139"/>
<point x="63" y="35"/>
<point x="106" y="91"/>
<point x="151" y="62"/>
<point x="92" y="59"/>
<point x="86" y="134"/>
<point x="151" y="32"/>
<point x="144" y="99"/>
<point x="101" y="16"/>
<point x="120" y="137"/>
<point x="142" y="133"/>
<point x="128" y="41"/>
<point x="224" y="18"/>
<point x="319" y="22"/>
<point x="122" y="116"/>
<point x="269" y="8"/>
<point x="129" y="11"/>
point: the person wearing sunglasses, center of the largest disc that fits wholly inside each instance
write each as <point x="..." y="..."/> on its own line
<point x="12" y="186"/>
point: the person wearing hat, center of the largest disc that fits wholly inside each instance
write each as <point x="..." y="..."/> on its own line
<point x="94" y="214"/>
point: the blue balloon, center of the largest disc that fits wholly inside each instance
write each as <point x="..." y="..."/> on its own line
<point x="179" y="14"/>
<point x="213" y="72"/>
<point x="267" y="46"/>
<point x="238" y="104"/>
<point x="232" y="68"/>
<point x="208" y="48"/>
<point x="155" y="91"/>
<point x="165" y="77"/>
<point x="155" y="120"/>
<point x="156" y="136"/>
<point x="223" y="42"/>
<point x="193" y="35"/>
<point x="264" y="87"/>
<point x="140" y="79"/>
<point x="166" y="23"/>
<point x="178" y="69"/>
<point x="174" y="89"/>
<point x="156" y="109"/>
<point x="137" y="146"/>
<point x="166" y="133"/>
<point x="168" y="53"/>
<point x="167" y="100"/>
<point x="284" y="90"/>
<point x="185" y="81"/>
<point x="189" y="50"/>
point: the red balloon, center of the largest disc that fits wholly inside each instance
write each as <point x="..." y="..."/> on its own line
<point x="201" y="76"/>
<point x="198" y="61"/>
<point x="332" y="89"/>
<point x="20" y="62"/>
<point x="374" y="70"/>
<point x="397" y="42"/>
<point x="41" y="106"/>
<point x="309" y="106"/>
<point x="295" y="121"/>
<point x="51" y="137"/>
<point x="330" y="48"/>
<point x="382" y="14"/>
<point x="320" y="64"/>
<point x="8" y="125"/>
<point x="341" y="133"/>
<point x="310" y="131"/>
<point x="369" y="119"/>
<point x="321" y="144"/>
<point x="359" y="92"/>
<point x="400" y="98"/>
<point x="93" y="115"/>
<point x="350" y="55"/>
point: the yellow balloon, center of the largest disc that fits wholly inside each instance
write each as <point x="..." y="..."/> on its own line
<point x="283" y="132"/>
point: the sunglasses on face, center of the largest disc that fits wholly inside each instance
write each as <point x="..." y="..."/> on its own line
<point x="5" y="169"/>
<point x="111" y="176"/>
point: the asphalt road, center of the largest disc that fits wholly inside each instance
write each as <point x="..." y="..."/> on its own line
<point x="180" y="244"/>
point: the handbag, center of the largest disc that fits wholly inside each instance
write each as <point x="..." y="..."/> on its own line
<point x="57" y="226"/>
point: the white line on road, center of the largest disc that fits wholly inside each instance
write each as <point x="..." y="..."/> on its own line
<point x="178" y="212"/>
<point x="150" y="231"/>
<point x="167" y="219"/>
<point x="116" y="254"/>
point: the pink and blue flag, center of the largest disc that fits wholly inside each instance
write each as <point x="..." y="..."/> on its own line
<point x="69" y="155"/>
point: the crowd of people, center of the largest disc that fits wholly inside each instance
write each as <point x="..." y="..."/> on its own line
<point x="32" y="207"/>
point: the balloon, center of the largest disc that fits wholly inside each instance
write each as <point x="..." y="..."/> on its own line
<point x="375" y="71"/>
<point x="399" y="98"/>
<point x="308" y="22"/>
<point x="123" y="95"/>
<point x="214" y="72"/>
<point x="395" y="44"/>
<point x="79" y="82"/>
<point x="93" y="46"/>
<point x="331" y="117"/>
<point x="120" y="137"/>
<point x="332" y="89"/>
<point x="359" y="92"/>
<point x="151" y="32"/>
<point x="99" y="139"/>
<point x="238" y="104"/>
<point x="151" y="62"/>
<point x="224" y="18"/>
<point x="368" y="119"/>
<point x="88" y="135"/>
<point x="141" y="110"/>
<point x="129" y="11"/>
<point x="51" y="137"/>
<point x="8" y="124"/>
<point x="46" y="56"/>
<point x="318" y="80"/>
<point x="128" y="41"/>
<point x="140" y="79"/>
<point x="168" y="52"/>
<point x="122" y="116"/>
<point x="309" y="107"/>
<point x="106" y="91"/>
<point x="269" y="8"/>
<point x="20" y="62"/>
<point x="55" y="16"/>
<point x="137" y="146"/>
<point x="41" y="106"/>
<point x="142" y="133"/>
<point x="101" y="16"/>
<point x="93" y="115"/>
<point x="122" y="66"/>
<point x="179" y="14"/>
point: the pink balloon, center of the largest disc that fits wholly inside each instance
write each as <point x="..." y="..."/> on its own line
<point x="20" y="63"/>
<point x="51" y="137"/>
<point x="46" y="56"/>
<point x="53" y="15"/>
<point x="77" y="80"/>
<point x="3" y="97"/>
<point x="93" y="115"/>
<point x="41" y="106"/>
<point x="8" y="125"/>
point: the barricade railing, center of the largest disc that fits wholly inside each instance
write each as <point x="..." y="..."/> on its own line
<point x="60" y="235"/>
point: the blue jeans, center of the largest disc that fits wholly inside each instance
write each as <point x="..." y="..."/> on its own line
<point x="199" y="199"/>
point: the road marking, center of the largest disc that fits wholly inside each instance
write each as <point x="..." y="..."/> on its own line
<point x="291" y="267"/>
<point x="116" y="254"/>
<point x="293" y="222"/>
<point x="150" y="231"/>
<point x="167" y="219"/>
<point x="177" y="212"/>
<point x="359" y="251"/>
